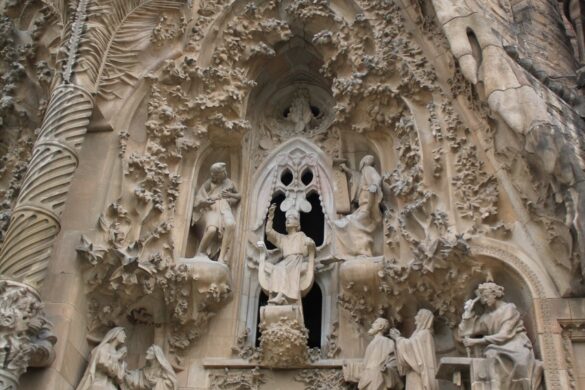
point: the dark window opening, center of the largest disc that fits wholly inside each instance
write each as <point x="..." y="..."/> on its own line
<point x="286" y="112"/>
<point x="262" y="301"/>
<point x="307" y="177"/>
<point x="279" y="219"/>
<point x="312" y="307"/>
<point x="313" y="223"/>
<point x="286" y="177"/>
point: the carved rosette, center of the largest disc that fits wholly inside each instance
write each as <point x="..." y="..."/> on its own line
<point x="26" y="339"/>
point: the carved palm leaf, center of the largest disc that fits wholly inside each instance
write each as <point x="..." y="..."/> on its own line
<point x="61" y="9"/>
<point x="117" y="30"/>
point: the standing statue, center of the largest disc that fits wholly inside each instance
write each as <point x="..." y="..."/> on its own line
<point x="157" y="374"/>
<point x="500" y="332"/>
<point x="289" y="278"/>
<point x="377" y="371"/>
<point x="354" y="233"/>
<point x="416" y="355"/>
<point x="107" y="363"/>
<point x="214" y="202"/>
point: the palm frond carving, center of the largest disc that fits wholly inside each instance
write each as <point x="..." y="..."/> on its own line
<point x="62" y="9"/>
<point x="117" y="30"/>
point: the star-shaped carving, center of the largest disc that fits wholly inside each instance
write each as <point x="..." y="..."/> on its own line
<point x="94" y="254"/>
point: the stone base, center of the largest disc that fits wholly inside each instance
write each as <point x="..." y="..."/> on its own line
<point x="284" y="338"/>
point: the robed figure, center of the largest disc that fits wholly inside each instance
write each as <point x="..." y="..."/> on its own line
<point x="354" y="232"/>
<point x="293" y="273"/>
<point x="157" y="374"/>
<point x="107" y="363"/>
<point x="501" y="334"/>
<point x="213" y="204"/>
<point x="377" y="370"/>
<point x="415" y="356"/>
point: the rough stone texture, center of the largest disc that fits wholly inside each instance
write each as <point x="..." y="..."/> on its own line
<point x="425" y="147"/>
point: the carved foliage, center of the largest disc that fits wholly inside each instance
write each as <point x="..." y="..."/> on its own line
<point x="25" y="333"/>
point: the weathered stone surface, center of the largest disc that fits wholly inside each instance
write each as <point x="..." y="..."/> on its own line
<point x="256" y="182"/>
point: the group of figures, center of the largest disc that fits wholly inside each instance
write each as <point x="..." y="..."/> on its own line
<point x="107" y="369"/>
<point x="491" y="330"/>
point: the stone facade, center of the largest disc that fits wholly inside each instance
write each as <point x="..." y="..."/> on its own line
<point x="299" y="194"/>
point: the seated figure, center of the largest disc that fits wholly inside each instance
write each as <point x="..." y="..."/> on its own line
<point x="286" y="280"/>
<point x="499" y="331"/>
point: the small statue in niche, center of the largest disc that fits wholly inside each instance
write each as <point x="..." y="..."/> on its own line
<point x="107" y="363"/>
<point x="501" y="333"/>
<point x="377" y="370"/>
<point x="416" y="355"/>
<point x="213" y="203"/>
<point x="286" y="280"/>
<point x="157" y="374"/>
<point x="354" y="232"/>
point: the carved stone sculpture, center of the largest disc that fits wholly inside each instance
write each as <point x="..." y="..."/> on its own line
<point x="354" y="233"/>
<point x="416" y="355"/>
<point x="157" y="374"/>
<point x="284" y="336"/>
<point x="26" y="339"/>
<point x="291" y="277"/>
<point x="107" y="363"/>
<point x="213" y="203"/>
<point x="502" y="338"/>
<point x="107" y="368"/>
<point x="378" y="369"/>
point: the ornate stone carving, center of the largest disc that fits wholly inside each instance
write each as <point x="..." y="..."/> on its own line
<point x="415" y="356"/>
<point x="107" y="363"/>
<point x="213" y="203"/>
<point x="26" y="339"/>
<point x="378" y="369"/>
<point x="284" y="337"/>
<point x="107" y="368"/>
<point x="291" y="277"/>
<point x="156" y="374"/>
<point x="237" y="379"/>
<point x="320" y="379"/>
<point x="500" y="337"/>
<point x="354" y="233"/>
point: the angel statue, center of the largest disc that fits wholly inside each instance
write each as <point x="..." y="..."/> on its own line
<point x="292" y="276"/>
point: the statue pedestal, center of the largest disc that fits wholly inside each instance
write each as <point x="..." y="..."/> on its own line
<point x="284" y="337"/>
<point x="465" y="372"/>
<point x="210" y="282"/>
